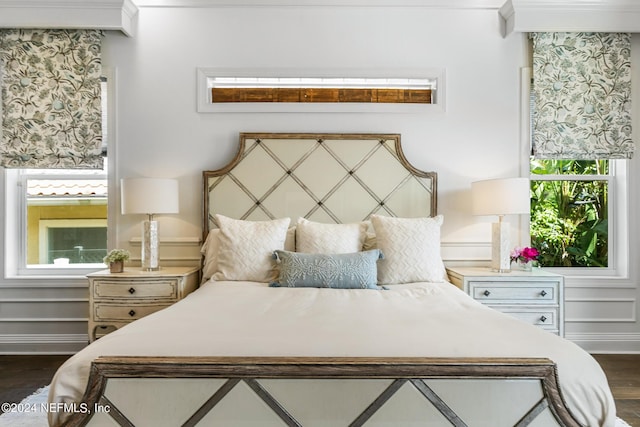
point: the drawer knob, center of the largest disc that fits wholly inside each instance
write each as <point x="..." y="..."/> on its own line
<point x="486" y="293"/>
<point x="133" y="291"/>
<point x="132" y="313"/>
<point x="543" y="293"/>
<point x="543" y="319"/>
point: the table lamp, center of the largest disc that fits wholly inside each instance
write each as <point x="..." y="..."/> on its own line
<point x="507" y="196"/>
<point x="149" y="196"/>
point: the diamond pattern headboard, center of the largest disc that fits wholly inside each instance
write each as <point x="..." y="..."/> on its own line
<point x="332" y="178"/>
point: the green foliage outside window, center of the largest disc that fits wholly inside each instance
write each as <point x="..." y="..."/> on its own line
<point x="569" y="223"/>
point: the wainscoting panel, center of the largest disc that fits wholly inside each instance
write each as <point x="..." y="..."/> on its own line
<point x="50" y="316"/>
<point x="38" y="316"/>
<point x="594" y="310"/>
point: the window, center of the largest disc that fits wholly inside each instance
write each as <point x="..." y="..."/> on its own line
<point x="334" y="91"/>
<point x="57" y="216"/>
<point x="289" y="89"/>
<point x="570" y="203"/>
<point x="60" y="219"/>
<point x="579" y="208"/>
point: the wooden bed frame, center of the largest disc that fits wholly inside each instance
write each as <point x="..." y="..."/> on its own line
<point x="316" y="176"/>
<point x="253" y="371"/>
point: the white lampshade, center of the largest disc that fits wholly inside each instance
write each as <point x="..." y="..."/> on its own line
<point x="149" y="196"/>
<point x="506" y="196"/>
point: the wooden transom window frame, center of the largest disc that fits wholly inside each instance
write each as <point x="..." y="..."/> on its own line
<point x="322" y="90"/>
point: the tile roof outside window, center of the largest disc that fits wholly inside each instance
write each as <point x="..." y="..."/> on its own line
<point x="67" y="188"/>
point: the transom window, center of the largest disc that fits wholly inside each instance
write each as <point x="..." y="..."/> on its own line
<point x="325" y="89"/>
<point x="222" y="90"/>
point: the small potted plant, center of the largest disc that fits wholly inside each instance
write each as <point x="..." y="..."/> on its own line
<point x="116" y="258"/>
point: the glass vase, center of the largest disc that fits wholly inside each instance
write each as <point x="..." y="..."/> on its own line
<point x="525" y="265"/>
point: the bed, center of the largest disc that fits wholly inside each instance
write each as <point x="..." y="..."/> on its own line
<point x="313" y="333"/>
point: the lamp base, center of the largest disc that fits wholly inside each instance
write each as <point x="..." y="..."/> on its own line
<point x="500" y="262"/>
<point x="150" y="246"/>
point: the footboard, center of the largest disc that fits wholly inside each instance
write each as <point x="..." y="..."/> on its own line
<point x="138" y="391"/>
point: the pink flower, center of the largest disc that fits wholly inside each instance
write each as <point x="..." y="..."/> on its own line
<point x="524" y="254"/>
<point x="529" y="254"/>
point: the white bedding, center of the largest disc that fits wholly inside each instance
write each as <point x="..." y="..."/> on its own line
<point x="414" y="320"/>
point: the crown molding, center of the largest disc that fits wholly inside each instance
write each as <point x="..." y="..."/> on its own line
<point x="98" y="14"/>
<point x="435" y="4"/>
<point x="570" y="16"/>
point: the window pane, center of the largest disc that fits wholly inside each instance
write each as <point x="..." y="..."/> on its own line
<point x="76" y="245"/>
<point x="569" y="167"/>
<point x="569" y="222"/>
<point x="66" y="221"/>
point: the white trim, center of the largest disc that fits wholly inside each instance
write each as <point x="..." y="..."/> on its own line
<point x="434" y="4"/>
<point x="204" y="105"/>
<point x="35" y="282"/>
<point x="103" y="14"/>
<point x="44" y="319"/>
<point x="610" y="342"/>
<point x="43" y="338"/>
<point x="570" y="15"/>
<point x="41" y="300"/>
<point x="170" y="241"/>
<point x="113" y="183"/>
<point x="42" y="343"/>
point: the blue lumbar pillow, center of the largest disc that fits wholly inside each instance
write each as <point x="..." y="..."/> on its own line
<point x="357" y="270"/>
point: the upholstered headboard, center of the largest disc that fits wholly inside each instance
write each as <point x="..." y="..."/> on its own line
<point x="331" y="178"/>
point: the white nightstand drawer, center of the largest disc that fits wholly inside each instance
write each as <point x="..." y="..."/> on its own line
<point x="535" y="297"/>
<point x="134" y="290"/>
<point x="125" y="312"/>
<point x="545" y="318"/>
<point x="531" y="293"/>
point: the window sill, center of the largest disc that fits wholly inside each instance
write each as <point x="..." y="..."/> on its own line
<point x="48" y="272"/>
<point x="593" y="277"/>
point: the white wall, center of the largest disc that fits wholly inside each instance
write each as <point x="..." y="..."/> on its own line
<point x="159" y="132"/>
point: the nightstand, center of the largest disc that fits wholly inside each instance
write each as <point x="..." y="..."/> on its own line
<point x="116" y="299"/>
<point x="536" y="297"/>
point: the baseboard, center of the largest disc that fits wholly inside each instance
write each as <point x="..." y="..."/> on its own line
<point x="615" y="342"/>
<point x="42" y="343"/>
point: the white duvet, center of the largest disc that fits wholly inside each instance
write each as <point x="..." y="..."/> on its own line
<point x="416" y="320"/>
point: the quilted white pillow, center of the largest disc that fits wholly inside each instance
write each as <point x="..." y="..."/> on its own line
<point x="210" y="251"/>
<point x="411" y="248"/>
<point x="246" y="247"/>
<point x="318" y="238"/>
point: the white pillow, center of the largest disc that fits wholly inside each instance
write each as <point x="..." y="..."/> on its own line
<point x="210" y="251"/>
<point x="318" y="238"/>
<point x="246" y="248"/>
<point x="411" y="249"/>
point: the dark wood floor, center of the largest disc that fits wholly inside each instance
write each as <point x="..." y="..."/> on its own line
<point x="623" y="373"/>
<point x="22" y="375"/>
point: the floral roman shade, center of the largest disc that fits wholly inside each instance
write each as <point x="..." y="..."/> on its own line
<point x="51" y="98"/>
<point x="582" y="96"/>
